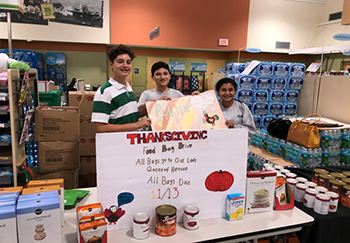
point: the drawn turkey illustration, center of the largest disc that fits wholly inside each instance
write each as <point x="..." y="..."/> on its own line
<point x="113" y="214"/>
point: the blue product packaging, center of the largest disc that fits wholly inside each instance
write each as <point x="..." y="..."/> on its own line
<point x="257" y="121"/>
<point x="265" y="68"/>
<point x="249" y="105"/>
<point x="254" y="72"/>
<point x="10" y="195"/>
<point x="265" y="120"/>
<point x="291" y="96"/>
<point x="246" y="81"/>
<point x="263" y="82"/>
<point x="36" y="196"/>
<point x="8" y="225"/>
<point x="275" y="108"/>
<point x="261" y="95"/>
<point x="297" y="70"/>
<point x="260" y="108"/>
<point x="245" y="95"/>
<point x="43" y="214"/>
<point x="279" y="83"/>
<point x="276" y="95"/>
<point x="280" y="69"/>
<point x="295" y="83"/>
<point x="7" y="202"/>
<point x="234" y="68"/>
<point x="290" y="108"/>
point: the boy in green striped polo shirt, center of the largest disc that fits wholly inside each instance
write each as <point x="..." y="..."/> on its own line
<point x="115" y="108"/>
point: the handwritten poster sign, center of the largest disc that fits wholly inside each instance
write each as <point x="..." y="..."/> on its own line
<point x="136" y="172"/>
<point x="187" y="113"/>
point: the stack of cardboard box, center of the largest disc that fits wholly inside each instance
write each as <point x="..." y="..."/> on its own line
<point x="84" y="100"/>
<point x="57" y="134"/>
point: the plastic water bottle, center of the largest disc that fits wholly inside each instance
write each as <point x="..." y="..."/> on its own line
<point x="52" y="73"/>
<point x="345" y="138"/>
<point x="60" y="73"/>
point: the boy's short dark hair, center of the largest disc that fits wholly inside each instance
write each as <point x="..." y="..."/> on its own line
<point x="159" y="65"/>
<point x="120" y="50"/>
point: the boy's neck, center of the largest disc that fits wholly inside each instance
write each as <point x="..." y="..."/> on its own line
<point x="120" y="80"/>
<point x="163" y="89"/>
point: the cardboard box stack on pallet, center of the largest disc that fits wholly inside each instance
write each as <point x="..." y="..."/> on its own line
<point x="84" y="100"/>
<point x="57" y="134"/>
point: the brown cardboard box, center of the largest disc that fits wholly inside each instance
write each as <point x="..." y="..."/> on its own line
<point x="91" y="180"/>
<point x="86" y="126"/>
<point x="87" y="165"/>
<point x="87" y="145"/>
<point x="57" y="123"/>
<point x="70" y="177"/>
<point x="56" y="156"/>
<point x="53" y="86"/>
<point x="82" y="99"/>
<point x="82" y="181"/>
<point x="12" y="189"/>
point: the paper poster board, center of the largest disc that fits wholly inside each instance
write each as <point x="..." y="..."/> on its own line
<point x="136" y="172"/>
<point x="187" y="113"/>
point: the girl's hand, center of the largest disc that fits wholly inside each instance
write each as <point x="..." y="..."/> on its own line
<point x="196" y="93"/>
<point x="230" y="124"/>
<point x="165" y="97"/>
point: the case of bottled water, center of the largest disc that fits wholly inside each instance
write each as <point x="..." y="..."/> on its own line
<point x="260" y="108"/>
<point x="279" y="82"/>
<point x="235" y="77"/>
<point x="291" y="96"/>
<point x="265" y="68"/>
<point x="280" y="69"/>
<point x="234" y="68"/>
<point x="276" y="95"/>
<point x="245" y="95"/>
<point x="257" y="121"/>
<point x="275" y="108"/>
<point x="254" y="72"/>
<point x="295" y="83"/>
<point x="246" y="81"/>
<point x="263" y="82"/>
<point x="265" y="120"/>
<point x="261" y="95"/>
<point x="290" y="108"/>
<point x="297" y="70"/>
<point x="249" y="105"/>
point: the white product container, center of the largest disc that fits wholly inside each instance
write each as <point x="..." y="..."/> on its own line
<point x="291" y="175"/>
<point x="301" y="180"/>
<point x="292" y="182"/>
<point x="309" y="198"/>
<point x="333" y="202"/>
<point x="191" y="217"/>
<point x="140" y="226"/>
<point x="311" y="184"/>
<point x="321" y="189"/>
<point x="321" y="204"/>
<point x="299" y="194"/>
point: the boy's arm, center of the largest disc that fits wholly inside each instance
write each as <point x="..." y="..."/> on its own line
<point x="142" y="110"/>
<point x="108" y="127"/>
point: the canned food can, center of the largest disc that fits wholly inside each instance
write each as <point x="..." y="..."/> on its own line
<point x="140" y="226"/>
<point x="316" y="172"/>
<point x="309" y="198"/>
<point x="285" y="171"/>
<point x="292" y="182"/>
<point x="345" y="196"/>
<point x="336" y="186"/>
<point x="347" y="173"/>
<point x="321" y="204"/>
<point x="291" y="175"/>
<point x="191" y="217"/>
<point x="165" y="220"/>
<point x="323" y="180"/>
<point x="333" y="202"/>
<point x="338" y="175"/>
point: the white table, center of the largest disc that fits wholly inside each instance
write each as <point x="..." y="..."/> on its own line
<point x="252" y="226"/>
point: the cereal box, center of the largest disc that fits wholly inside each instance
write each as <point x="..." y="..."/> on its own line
<point x="235" y="206"/>
<point x="39" y="221"/>
<point x="260" y="191"/>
